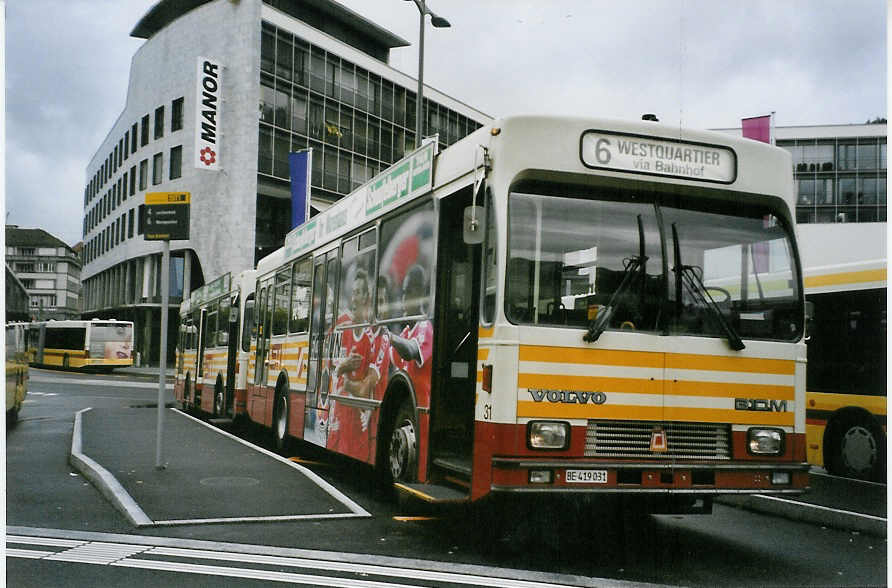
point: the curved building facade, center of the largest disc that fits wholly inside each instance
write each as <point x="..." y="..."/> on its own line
<point x="219" y="94"/>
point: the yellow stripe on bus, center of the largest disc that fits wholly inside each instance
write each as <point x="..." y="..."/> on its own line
<point x="874" y="275"/>
<point x="827" y="401"/>
<point x="590" y="356"/>
<point x="483" y="353"/>
<point x="718" y="363"/>
<point x="485" y="332"/>
<point x="652" y="413"/>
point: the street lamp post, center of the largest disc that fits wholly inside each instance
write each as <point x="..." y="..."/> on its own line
<point x="439" y="22"/>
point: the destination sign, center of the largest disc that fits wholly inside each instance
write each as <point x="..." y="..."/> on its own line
<point x="167" y="216"/>
<point x="662" y="157"/>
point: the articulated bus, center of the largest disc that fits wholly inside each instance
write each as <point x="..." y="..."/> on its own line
<point x="845" y="283"/>
<point x="96" y="345"/>
<point x="16" y="370"/>
<point x="211" y="366"/>
<point x="551" y="305"/>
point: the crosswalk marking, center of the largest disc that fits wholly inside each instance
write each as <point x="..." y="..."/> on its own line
<point x="335" y="570"/>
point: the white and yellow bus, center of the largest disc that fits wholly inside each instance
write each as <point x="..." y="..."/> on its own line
<point x="90" y="345"/>
<point x="211" y="365"/>
<point x="845" y="283"/>
<point x="551" y="305"/>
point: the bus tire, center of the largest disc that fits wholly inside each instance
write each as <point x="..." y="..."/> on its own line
<point x="402" y="445"/>
<point x="219" y="407"/>
<point x="856" y="448"/>
<point x="280" y="421"/>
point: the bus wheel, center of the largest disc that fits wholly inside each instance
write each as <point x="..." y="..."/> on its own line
<point x="403" y="448"/>
<point x="280" y="421"/>
<point x="856" y="449"/>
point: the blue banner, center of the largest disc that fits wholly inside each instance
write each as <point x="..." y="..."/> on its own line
<point x="299" y="166"/>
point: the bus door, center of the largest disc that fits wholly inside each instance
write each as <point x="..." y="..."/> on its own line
<point x="325" y="283"/>
<point x="261" y="364"/>
<point x="456" y="315"/>
<point x="232" y="347"/>
<point x="202" y="344"/>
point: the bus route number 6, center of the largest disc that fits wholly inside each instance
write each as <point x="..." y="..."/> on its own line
<point x="602" y="153"/>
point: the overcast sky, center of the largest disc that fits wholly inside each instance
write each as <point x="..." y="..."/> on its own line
<point x="699" y="63"/>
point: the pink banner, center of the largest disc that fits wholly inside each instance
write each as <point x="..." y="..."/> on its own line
<point x="758" y="128"/>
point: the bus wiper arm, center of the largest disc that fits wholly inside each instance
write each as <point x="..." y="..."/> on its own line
<point x="634" y="266"/>
<point x="687" y="274"/>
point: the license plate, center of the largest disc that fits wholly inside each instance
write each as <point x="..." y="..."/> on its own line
<point x="586" y="476"/>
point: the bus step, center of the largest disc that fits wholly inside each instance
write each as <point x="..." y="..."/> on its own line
<point x="456" y="465"/>
<point x="221" y="422"/>
<point x="432" y="493"/>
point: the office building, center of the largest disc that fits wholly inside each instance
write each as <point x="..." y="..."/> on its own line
<point x="219" y="94"/>
<point x="839" y="171"/>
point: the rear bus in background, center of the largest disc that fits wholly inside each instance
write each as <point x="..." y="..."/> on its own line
<point x="211" y="365"/>
<point x="16" y="370"/>
<point x="552" y="306"/>
<point x="845" y="286"/>
<point x="90" y="345"/>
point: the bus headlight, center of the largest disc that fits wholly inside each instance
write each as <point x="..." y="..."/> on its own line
<point x="765" y="441"/>
<point x="548" y="435"/>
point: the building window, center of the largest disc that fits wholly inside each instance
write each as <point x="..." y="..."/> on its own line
<point x="176" y="114"/>
<point x="846" y="156"/>
<point x="130" y="224"/>
<point x="140" y="219"/>
<point x="144" y="135"/>
<point x="159" y="122"/>
<point x="157" y="164"/>
<point x="26" y="251"/>
<point x="176" y="162"/>
<point x="126" y="144"/>
<point x="133" y="180"/>
<point x="133" y="132"/>
<point x="143" y="174"/>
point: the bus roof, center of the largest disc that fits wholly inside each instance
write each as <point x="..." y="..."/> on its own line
<point x="838" y="257"/>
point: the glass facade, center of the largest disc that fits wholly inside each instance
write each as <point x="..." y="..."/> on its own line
<point x="839" y="179"/>
<point x="356" y="123"/>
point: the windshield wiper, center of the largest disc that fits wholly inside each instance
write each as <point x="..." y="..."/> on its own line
<point x="634" y="266"/>
<point x="688" y="276"/>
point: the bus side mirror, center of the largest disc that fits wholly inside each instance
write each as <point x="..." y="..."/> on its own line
<point x="472" y="225"/>
<point x="809" y="316"/>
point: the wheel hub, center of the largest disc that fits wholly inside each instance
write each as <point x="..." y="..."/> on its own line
<point x="402" y="451"/>
<point x="859" y="449"/>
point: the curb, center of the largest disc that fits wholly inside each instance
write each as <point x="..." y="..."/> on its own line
<point x="809" y="513"/>
<point x="104" y="481"/>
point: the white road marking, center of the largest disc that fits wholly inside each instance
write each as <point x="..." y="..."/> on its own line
<point x="349" y="569"/>
<point x="825" y="508"/>
<point x="50" y="379"/>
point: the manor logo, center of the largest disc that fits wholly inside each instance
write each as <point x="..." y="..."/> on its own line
<point x="208" y="100"/>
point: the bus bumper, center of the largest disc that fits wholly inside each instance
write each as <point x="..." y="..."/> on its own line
<point x="581" y="476"/>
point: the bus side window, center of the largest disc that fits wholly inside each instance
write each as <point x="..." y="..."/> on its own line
<point x="490" y="259"/>
<point x="249" y="330"/>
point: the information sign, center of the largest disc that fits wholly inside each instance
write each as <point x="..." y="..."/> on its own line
<point x="167" y="216"/>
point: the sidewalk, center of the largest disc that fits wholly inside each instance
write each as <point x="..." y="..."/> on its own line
<point x="209" y="475"/>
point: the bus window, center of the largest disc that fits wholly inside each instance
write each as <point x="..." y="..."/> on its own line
<point x="211" y="327"/>
<point x="407" y="252"/>
<point x="223" y="322"/>
<point x="300" y="297"/>
<point x="281" y="303"/>
<point x="249" y="331"/>
<point x="357" y="279"/>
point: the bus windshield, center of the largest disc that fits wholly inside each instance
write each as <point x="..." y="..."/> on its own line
<point x="647" y="261"/>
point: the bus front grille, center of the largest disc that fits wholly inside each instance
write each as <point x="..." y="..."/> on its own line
<point x="632" y="439"/>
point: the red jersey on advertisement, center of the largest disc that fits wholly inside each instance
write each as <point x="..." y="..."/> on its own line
<point x="348" y="430"/>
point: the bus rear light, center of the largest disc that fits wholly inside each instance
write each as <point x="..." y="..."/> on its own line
<point x="487" y="378"/>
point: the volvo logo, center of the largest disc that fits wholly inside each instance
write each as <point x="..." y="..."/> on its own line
<point x="568" y="396"/>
